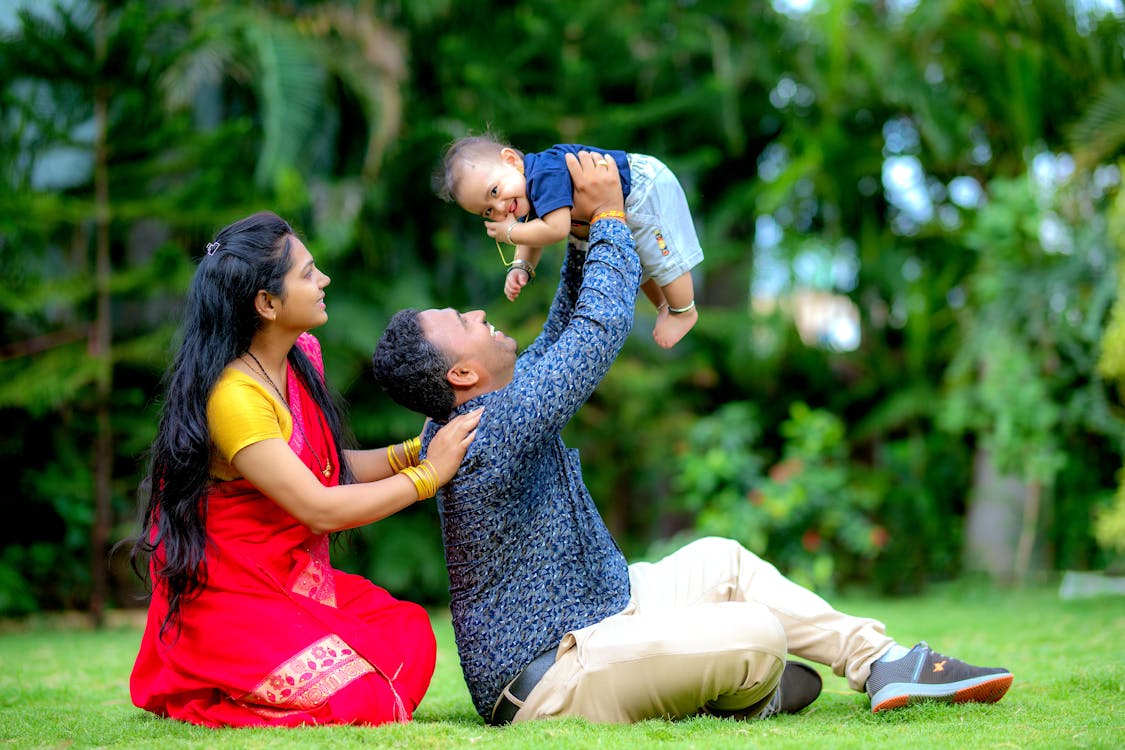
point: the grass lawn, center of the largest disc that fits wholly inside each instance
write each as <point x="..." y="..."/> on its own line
<point x="67" y="687"/>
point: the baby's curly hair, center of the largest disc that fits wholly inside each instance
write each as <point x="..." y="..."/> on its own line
<point x="470" y="149"/>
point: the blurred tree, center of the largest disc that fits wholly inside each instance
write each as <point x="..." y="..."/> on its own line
<point x="99" y="163"/>
<point x="80" y="131"/>
<point x="1023" y="382"/>
<point x="1110" y="522"/>
<point x="97" y="166"/>
<point x="851" y="149"/>
<point x="895" y="117"/>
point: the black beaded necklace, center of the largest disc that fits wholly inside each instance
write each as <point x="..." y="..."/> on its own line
<point x="326" y="465"/>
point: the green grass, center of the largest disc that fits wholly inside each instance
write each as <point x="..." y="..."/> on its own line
<point x="67" y="687"/>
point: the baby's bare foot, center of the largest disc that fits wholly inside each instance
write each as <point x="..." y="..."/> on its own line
<point x="671" y="327"/>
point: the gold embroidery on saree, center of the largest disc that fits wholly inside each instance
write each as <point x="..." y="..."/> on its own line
<point x="311" y="677"/>
<point x="316" y="580"/>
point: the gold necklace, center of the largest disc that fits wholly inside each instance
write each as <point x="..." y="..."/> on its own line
<point x="326" y="469"/>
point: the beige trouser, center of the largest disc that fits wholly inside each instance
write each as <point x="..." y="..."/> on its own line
<point x="707" y="628"/>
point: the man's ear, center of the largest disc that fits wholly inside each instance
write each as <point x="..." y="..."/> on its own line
<point x="462" y="375"/>
<point x="264" y="304"/>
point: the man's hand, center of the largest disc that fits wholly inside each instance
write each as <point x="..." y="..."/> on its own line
<point x="597" y="184"/>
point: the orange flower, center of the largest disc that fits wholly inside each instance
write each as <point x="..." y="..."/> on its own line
<point x="785" y="470"/>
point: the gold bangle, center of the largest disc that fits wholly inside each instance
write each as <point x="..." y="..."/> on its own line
<point x="410" y="450"/>
<point x="620" y="215"/>
<point x="425" y="478"/>
<point x="397" y="464"/>
<point x="413" y="449"/>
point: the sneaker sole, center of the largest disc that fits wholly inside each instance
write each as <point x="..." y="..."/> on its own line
<point x="987" y="689"/>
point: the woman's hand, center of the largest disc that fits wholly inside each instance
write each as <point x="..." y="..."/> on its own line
<point x="450" y="443"/>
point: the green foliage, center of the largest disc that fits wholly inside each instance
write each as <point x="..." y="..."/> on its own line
<point x="997" y="395"/>
<point x="717" y="470"/>
<point x="335" y="113"/>
<point x="812" y="514"/>
<point x="1021" y="383"/>
<point x="42" y="576"/>
<point x="625" y="425"/>
<point x="925" y="483"/>
<point x="1110" y="526"/>
<point x="403" y="555"/>
<point x="1100" y="133"/>
<point x="16" y="594"/>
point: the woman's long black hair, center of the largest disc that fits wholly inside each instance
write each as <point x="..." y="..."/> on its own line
<point x="219" y="321"/>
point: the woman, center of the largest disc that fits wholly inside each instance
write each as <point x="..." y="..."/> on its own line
<point x="249" y="624"/>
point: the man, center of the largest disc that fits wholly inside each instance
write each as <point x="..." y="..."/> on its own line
<point x="549" y="618"/>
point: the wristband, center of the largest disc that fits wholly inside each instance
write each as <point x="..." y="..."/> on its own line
<point x="619" y="215"/>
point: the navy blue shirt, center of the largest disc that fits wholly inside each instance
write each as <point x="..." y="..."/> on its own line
<point x="549" y="186"/>
<point x="528" y="554"/>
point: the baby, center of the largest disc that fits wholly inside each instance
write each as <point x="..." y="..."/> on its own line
<point x="526" y="199"/>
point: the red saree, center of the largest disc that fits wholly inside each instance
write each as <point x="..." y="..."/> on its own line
<point x="279" y="637"/>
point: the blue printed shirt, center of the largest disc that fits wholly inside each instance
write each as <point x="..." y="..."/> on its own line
<point x="528" y="554"/>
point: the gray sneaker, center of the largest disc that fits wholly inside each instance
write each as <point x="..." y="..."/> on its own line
<point x="925" y="675"/>
<point x="800" y="685"/>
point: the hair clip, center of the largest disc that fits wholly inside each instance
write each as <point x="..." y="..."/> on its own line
<point x="212" y="247"/>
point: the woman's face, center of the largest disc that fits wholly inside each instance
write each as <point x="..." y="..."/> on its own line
<point x="301" y="305"/>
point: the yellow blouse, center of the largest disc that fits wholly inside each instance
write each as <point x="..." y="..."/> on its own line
<point x="241" y="412"/>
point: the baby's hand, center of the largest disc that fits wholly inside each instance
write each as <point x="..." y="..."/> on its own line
<point x="514" y="282"/>
<point x="500" y="230"/>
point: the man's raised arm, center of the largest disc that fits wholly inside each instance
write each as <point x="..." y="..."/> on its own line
<point x="597" y="189"/>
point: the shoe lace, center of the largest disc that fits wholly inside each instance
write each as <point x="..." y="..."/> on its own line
<point x="936" y="656"/>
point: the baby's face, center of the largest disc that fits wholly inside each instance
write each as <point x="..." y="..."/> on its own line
<point x="493" y="189"/>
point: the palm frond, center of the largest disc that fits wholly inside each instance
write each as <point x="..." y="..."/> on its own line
<point x="291" y="86"/>
<point x="370" y="59"/>
<point x="1099" y="134"/>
